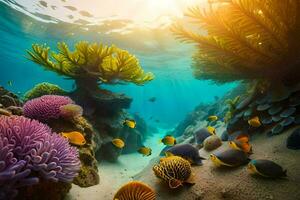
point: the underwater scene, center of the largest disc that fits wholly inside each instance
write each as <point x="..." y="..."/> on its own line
<point x="150" y="99"/>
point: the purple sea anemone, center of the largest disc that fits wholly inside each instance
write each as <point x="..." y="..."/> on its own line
<point x="46" y="107"/>
<point x="30" y="151"/>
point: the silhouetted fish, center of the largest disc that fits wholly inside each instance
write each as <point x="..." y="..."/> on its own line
<point x="72" y="8"/>
<point x="85" y="13"/>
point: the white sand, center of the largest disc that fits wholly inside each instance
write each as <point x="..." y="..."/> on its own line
<point x="114" y="175"/>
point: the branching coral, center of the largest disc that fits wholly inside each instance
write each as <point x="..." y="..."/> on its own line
<point x="245" y="39"/>
<point x="44" y="89"/>
<point x="29" y="151"/>
<point x="108" y="64"/>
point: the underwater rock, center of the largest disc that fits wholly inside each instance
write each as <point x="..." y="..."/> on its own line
<point x="245" y="102"/>
<point x="15" y="110"/>
<point x="46" y="190"/>
<point x="186" y="151"/>
<point x="297" y="119"/>
<point x="293" y="141"/>
<point x="276" y="130"/>
<point x="212" y="143"/>
<point x="267" y="121"/>
<point x="7" y="98"/>
<point x="263" y="107"/>
<point x="288" y="112"/>
<point x="287" y="121"/>
<point x="276" y="118"/>
<point x="275" y="110"/>
<point x="294" y="101"/>
<point x="248" y="112"/>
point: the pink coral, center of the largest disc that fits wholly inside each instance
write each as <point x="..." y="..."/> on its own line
<point x="46" y="107"/>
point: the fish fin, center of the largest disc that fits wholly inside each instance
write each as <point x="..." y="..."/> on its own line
<point x="174" y="183"/>
<point x="168" y="154"/>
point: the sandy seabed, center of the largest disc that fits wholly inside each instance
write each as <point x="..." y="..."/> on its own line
<point x="114" y="175"/>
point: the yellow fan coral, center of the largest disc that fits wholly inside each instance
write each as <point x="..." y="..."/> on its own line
<point x="108" y="64"/>
<point x="245" y="39"/>
<point x="135" y="190"/>
<point x="174" y="170"/>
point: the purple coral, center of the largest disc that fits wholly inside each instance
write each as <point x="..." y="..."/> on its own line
<point x="28" y="146"/>
<point x="46" y="107"/>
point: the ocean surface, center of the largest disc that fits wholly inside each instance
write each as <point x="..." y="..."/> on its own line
<point x="177" y="92"/>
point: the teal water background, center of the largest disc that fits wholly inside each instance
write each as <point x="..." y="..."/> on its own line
<point x="176" y="90"/>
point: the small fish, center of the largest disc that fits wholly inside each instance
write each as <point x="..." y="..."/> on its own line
<point x="74" y="137"/>
<point x="130" y="123"/>
<point x="53" y="7"/>
<point x="211" y="129"/>
<point x="254" y="122"/>
<point x="241" y="142"/>
<point x="85" y="13"/>
<point x="145" y="151"/>
<point x="168" y="140"/>
<point x="152" y="99"/>
<point x="118" y="143"/>
<point x="157" y="121"/>
<point x="72" y="8"/>
<point x="212" y="118"/>
<point x="9" y="83"/>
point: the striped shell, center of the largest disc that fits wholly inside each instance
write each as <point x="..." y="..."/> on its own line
<point x="135" y="190"/>
<point x="173" y="168"/>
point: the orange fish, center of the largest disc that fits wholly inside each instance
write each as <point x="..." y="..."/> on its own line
<point x="118" y="143"/>
<point x="74" y="137"/>
<point x="241" y="142"/>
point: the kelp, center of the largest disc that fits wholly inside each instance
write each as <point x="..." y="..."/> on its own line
<point x="108" y="64"/>
<point x="244" y="39"/>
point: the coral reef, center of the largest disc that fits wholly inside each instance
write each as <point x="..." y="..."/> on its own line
<point x="32" y="152"/>
<point x="245" y="39"/>
<point x="46" y="107"/>
<point x="44" y="88"/>
<point x="90" y="65"/>
<point x="8" y="99"/>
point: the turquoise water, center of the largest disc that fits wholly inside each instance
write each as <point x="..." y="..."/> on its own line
<point x="174" y="87"/>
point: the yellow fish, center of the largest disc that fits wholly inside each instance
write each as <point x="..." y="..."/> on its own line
<point x="118" y="143"/>
<point x="168" y="140"/>
<point x="255" y="122"/>
<point x="211" y="129"/>
<point x="212" y="118"/>
<point x="146" y="151"/>
<point x="74" y="137"/>
<point x="130" y="123"/>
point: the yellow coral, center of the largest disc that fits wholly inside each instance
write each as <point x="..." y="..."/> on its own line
<point x="107" y="63"/>
<point x="245" y="39"/>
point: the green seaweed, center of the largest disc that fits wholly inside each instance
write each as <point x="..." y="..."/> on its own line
<point x="231" y="104"/>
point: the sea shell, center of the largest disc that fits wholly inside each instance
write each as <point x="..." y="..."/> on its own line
<point x="174" y="168"/>
<point x="135" y="190"/>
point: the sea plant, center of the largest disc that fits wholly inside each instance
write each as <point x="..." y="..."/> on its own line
<point x="245" y="40"/>
<point x="91" y="61"/>
<point x="29" y="152"/>
<point x="44" y="88"/>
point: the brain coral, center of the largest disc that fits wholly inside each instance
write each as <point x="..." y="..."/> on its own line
<point x="45" y="107"/>
<point x="30" y="151"/>
<point x="44" y="89"/>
